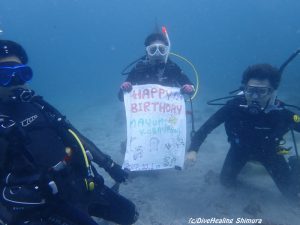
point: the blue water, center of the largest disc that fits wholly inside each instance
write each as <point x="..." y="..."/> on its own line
<point x="78" y="48"/>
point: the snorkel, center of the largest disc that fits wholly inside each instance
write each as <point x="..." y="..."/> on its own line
<point x="165" y="32"/>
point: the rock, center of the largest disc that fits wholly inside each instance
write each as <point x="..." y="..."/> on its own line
<point x="211" y="178"/>
<point x="253" y="209"/>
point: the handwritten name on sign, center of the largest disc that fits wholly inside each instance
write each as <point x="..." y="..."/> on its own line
<point x="156" y="128"/>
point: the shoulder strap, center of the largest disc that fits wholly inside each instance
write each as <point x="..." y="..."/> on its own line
<point x="49" y="111"/>
<point x="65" y="130"/>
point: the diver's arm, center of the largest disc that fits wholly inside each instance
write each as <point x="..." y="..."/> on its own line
<point x="63" y="125"/>
<point x="130" y="79"/>
<point x="138" y="72"/>
<point x="180" y="76"/>
<point x="131" y="76"/>
<point x="3" y="147"/>
<point x="103" y="160"/>
<point x="121" y="95"/>
<point x="213" y="122"/>
<point x="183" y="79"/>
<point x="289" y="120"/>
<point x="292" y="120"/>
<point x="98" y="156"/>
<point x="6" y="127"/>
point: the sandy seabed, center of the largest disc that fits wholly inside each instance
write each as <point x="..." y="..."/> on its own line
<point x="193" y="195"/>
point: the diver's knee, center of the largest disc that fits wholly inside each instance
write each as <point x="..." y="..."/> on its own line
<point x="134" y="216"/>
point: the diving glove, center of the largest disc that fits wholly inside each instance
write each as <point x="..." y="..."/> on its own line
<point x="191" y="156"/>
<point x="126" y="86"/>
<point x="116" y="171"/>
<point x="187" y="89"/>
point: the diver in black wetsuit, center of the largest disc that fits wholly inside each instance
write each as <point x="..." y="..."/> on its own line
<point x="255" y="124"/>
<point x="157" y="68"/>
<point x="45" y="163"/>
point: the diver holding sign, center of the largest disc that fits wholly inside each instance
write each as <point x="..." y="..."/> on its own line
<point x="151" y="82"/>
<point x="156" y="67"/>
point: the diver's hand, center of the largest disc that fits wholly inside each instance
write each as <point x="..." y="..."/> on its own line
<point x="187" y="89"/>
<point x="47" y="186"/>
<point x="191" y="158"/>
<point x="126" y="86"/>
<point x="117" y="173"/>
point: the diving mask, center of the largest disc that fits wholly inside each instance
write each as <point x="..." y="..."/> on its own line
<point x="7" y="73"/>
<point x="257" y="98"/>
<point x="257" y="92"/>
<point x="157" y="50"/>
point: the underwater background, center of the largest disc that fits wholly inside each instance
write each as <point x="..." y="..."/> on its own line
<point x="78" y="48"/>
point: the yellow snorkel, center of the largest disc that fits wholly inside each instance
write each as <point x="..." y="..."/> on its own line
<point x="194" y="69"/>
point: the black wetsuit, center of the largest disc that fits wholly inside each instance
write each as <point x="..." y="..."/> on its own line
<point x="168" y="74"/>
<point x="252" y="137"/>
<point x="33" y="139"/>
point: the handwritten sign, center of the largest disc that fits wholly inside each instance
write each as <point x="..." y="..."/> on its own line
<point x="156" y="128"/>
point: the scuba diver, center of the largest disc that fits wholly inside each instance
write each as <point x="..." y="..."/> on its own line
<point x="156" y="67"/>
<point x="255" y="123"/>
<point x="45" y="163"/>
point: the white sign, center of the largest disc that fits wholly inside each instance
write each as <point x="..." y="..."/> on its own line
<point x="156" y="128"/>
